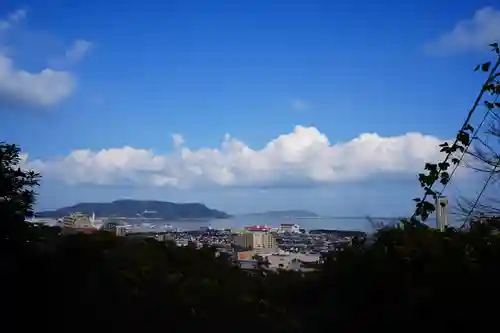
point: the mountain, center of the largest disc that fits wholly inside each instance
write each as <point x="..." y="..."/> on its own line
<point x="137" y="208"/>
<point x="339" y="233"/>
<point x="285" y="213"/>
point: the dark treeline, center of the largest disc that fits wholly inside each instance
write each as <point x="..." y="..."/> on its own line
<point x="409" y="278"/>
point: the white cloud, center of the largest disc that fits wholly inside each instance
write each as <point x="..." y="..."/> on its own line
<point x="178" y="140"/>
<point x="74" y="54"/>
<point x="473" y="34"/>
<point x="39" y="88"/>
<point x="45" y="88"/>
<point x="300" y="104"/>
<point x="304" y="156"/>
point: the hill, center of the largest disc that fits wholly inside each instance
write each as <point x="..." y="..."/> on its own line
<point x="339" y="233"/>
<point x="286" y="213"/>
<point x="137" y="208"/>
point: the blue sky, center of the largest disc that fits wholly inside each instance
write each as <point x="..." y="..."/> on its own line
<point x="135" y="74"/>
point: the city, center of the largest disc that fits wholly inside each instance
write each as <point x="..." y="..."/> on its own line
<point x="284" y="247"/>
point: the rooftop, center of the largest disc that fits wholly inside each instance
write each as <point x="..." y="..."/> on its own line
<point x="258" y="228"/>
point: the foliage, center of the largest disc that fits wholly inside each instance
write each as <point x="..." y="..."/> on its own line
<point x="406" y="278"/>
<point x="16" y="186"/>
<point x="16" y="199"/>
<point x="418" y="275"/>
<point x="435" y="172"/>
<point x="406" y="275"/>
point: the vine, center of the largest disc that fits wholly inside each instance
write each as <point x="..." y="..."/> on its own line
<point x="435" y="172"/>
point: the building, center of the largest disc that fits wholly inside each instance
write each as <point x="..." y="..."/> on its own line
<point x="257" y="228"/>
<point x="255" y="240"/>
<point x="77" y="222"/>
<point x="120" y="230"/>
<point x="244" y="240"/>
<point x="441" y="213"/>
<point x="278" y="260"/>
<point x="116" y="226"/>
<point x="167" y="237"/>
<point x="263" y="240"/>
<point x="289" y="227"/>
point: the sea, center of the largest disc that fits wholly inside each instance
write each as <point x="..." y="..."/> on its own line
<point x="340" y="223"/>
<point x="366" y="224"/>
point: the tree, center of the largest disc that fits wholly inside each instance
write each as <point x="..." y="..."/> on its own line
<point x="112" y="282"/>
<point x="454" y="152"/>
<point x="17" y="194"/>
<point x="485" y="157"/>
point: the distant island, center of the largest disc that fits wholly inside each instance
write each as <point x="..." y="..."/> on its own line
<point x="340" y="233"/>
<point x="285" y="213"/>
<point x="139" y="208"/>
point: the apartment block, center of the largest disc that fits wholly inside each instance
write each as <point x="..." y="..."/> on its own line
<point x="255" y="240"/>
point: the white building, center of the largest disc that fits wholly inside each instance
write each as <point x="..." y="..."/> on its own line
<point x="116" y="226"/>
<point x="289" y="227"/>
<point x="78" y="222"/>
<point x="279" y="260"/>
<point x="441" y="213"/>
<point x="121" y="230"/>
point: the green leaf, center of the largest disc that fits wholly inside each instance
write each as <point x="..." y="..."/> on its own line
<point x="477" y="68"/>
<point x="431" y="167"/>
<point x="454" y="147"/>
<point x="445" y="178"/>
<point x="443" y="165"/>
<point x="486" y="66"/>
<point x="427" y="180"/>
<point x="429" y="206"/>
<point x="495" y="47"/>
<point x="429" y="191"/>
<point x="489" y="105"/>
<point x="416" y="199"/>
<point x="422" y="178"/>
<point x="464" y="138"/>
<point x="425" y="209"/>
<point x="489" y="87"/>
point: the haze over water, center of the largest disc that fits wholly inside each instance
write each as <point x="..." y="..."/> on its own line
<point x="367" y="224"/>
<point x="240" y="221"/>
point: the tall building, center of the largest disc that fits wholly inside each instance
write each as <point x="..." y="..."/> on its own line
<point x="255" y="240"/>
<point x="263" y="240"/>
<point x="244" y="240"/>
<point x="441" y="212"/>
